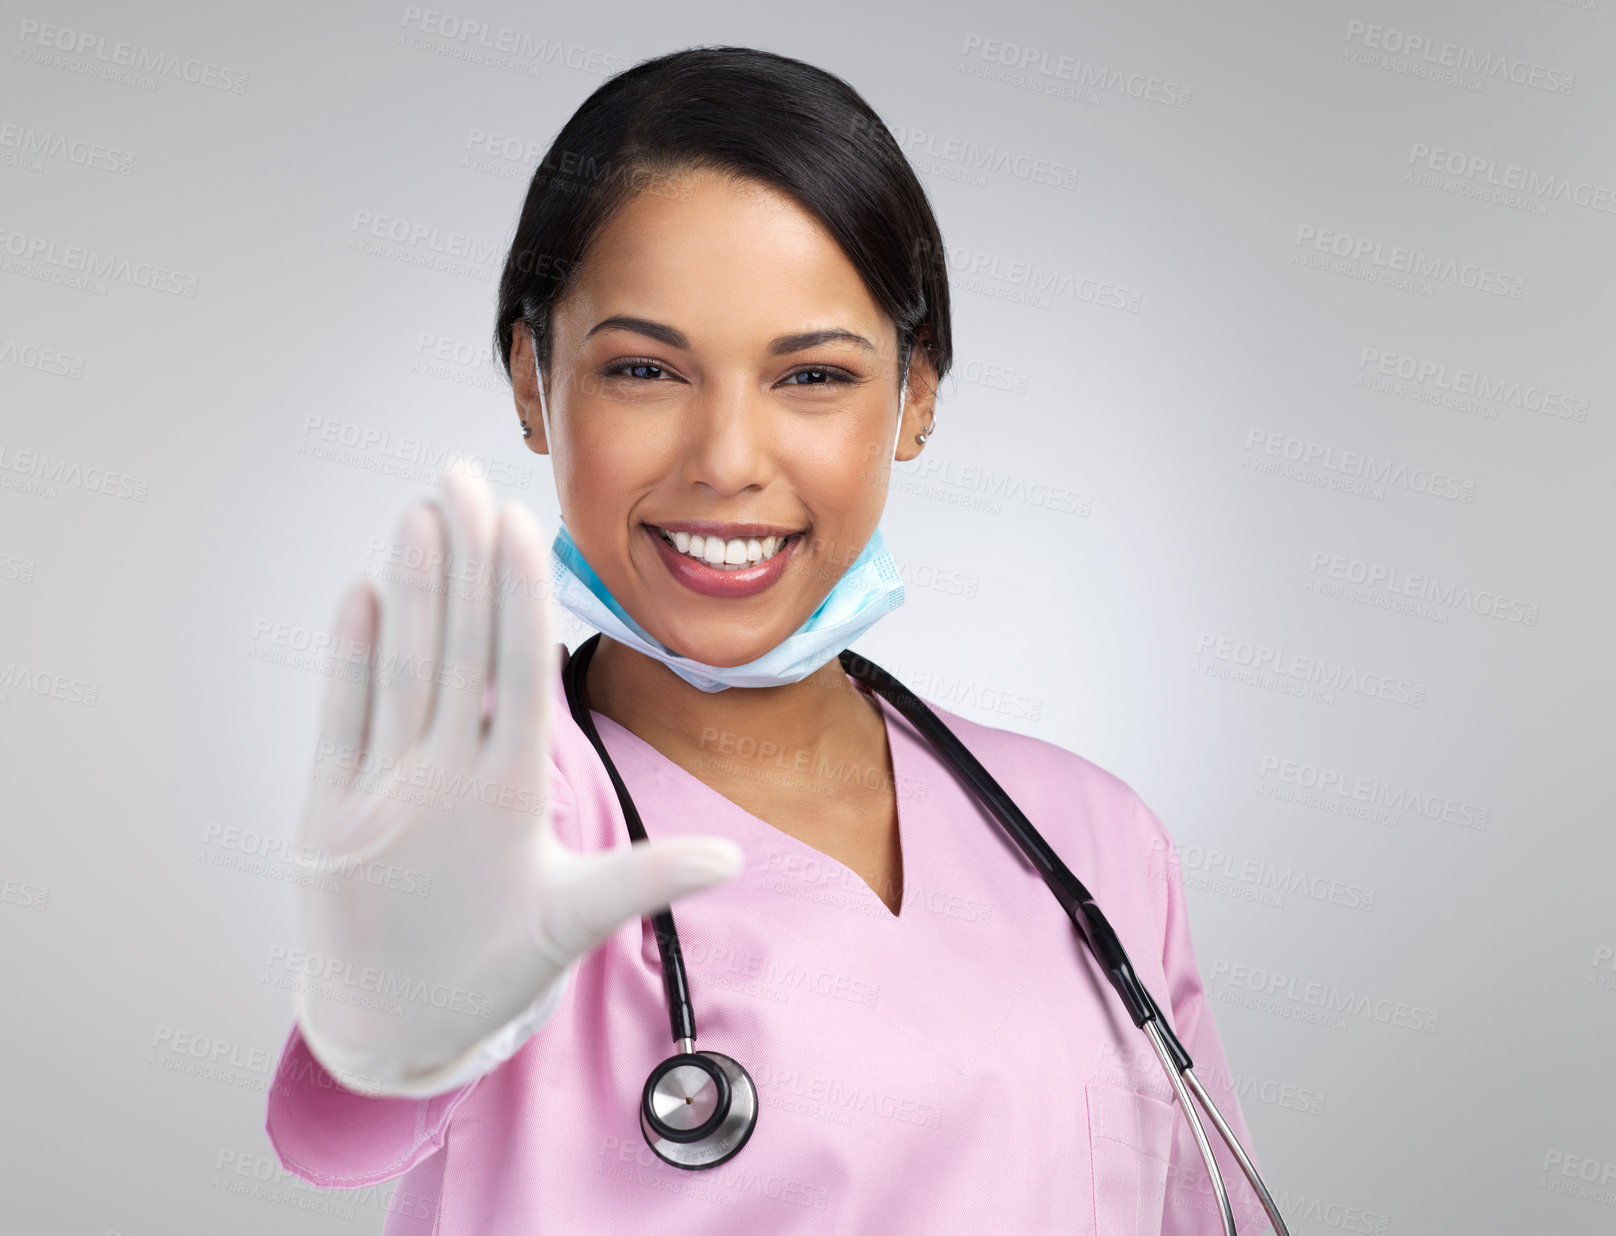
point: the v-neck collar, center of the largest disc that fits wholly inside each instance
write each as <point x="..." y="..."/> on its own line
<point x="898" y="753"/>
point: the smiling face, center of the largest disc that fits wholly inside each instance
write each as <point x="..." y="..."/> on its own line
<point x="720" y="375"/>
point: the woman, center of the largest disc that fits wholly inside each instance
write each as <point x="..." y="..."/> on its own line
<point x="723" y="303"/>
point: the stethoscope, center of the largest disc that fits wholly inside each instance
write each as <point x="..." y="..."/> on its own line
<point x="699" y="1108"/>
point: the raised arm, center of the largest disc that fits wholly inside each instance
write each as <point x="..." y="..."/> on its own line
<point x="408" y="999"/>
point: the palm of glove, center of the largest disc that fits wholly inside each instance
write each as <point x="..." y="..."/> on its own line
<point x="456" y="912"/>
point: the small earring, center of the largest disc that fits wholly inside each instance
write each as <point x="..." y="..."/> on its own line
<point x="527" y="430"/>
<point x="925" y="433"/>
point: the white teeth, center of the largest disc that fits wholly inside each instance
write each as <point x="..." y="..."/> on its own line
<point x="715" y="551"/>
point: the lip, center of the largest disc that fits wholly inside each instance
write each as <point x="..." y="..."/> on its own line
<point x="709" y="580"/>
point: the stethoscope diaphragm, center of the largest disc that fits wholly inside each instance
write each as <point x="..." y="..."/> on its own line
<point x="698" y="1109"/>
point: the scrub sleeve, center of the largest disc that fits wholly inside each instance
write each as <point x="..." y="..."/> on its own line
<point x="341" y="1139"/>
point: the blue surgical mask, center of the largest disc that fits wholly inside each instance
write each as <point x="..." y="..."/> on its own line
<point x="868" y="589"/>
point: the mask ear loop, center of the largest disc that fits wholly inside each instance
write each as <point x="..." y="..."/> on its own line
<point x="544" y="415"/>
<point x="898" y="437"/>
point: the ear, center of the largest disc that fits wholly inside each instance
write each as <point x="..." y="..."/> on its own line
<point x="920" y="402"/>
<point x="525" y="387"/>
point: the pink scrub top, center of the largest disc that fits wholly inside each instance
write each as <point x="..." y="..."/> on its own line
<point x="961" y="1067"/>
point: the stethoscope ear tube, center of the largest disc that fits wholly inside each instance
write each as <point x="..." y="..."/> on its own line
<point x="1069" y="891"/>
<point x="1090" y="921"/>
<point x="699" y="1108"/>
<point x="1114" y="961"/>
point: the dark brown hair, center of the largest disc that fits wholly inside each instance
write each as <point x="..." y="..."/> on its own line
<point x="754" y="115"/>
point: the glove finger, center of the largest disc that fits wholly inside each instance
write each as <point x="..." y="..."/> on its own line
<point x="525" y="653"/>
<point x="345" y="711"/>
<point x="601" y="891"/>
<point x="469" y="610"/>
<point x="411" y="633"/>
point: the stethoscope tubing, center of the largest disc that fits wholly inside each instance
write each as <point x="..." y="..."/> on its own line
<point x="1073" y="897"/>
<point x="681" y="1013"/>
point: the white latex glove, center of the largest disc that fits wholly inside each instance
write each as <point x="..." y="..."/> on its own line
<point x="510" y="908"/>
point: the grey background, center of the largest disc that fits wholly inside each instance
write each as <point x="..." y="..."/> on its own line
<point x="1099" y="581"/>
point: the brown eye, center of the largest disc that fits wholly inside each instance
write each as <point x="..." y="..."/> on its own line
<point x="643" y="370"/>
<point x="821" y="375"/>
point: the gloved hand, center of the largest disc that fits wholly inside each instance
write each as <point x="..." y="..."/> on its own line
<point x="509" y="908"/>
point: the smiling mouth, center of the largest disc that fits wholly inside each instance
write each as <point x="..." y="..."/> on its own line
<point x="725" y="554"/>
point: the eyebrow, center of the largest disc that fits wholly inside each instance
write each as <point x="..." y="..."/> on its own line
<point x="783" y="346"/>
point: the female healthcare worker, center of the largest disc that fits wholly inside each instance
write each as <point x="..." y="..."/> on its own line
<point x="725" y="297"/>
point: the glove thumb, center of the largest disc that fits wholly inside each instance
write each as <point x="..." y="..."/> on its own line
<point x="607" y="889"/>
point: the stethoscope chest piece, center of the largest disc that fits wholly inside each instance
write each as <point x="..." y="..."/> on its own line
<point x="698" y="1109"/>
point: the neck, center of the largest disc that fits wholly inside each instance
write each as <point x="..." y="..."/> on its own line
<point x="652" y="702"/>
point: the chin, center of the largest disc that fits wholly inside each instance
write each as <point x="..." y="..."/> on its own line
<point x="723" y="653"/>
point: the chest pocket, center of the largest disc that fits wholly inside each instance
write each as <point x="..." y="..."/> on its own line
<point x="1130" y="1142"/>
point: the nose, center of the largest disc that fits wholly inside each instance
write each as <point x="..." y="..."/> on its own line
<point x="730" y="440"/>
